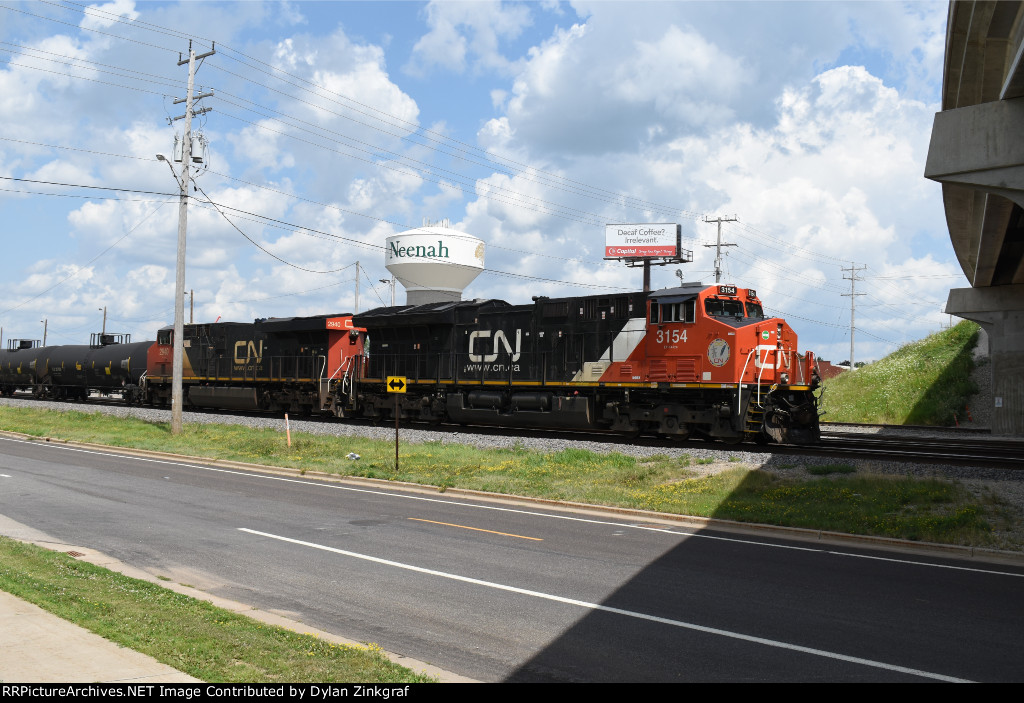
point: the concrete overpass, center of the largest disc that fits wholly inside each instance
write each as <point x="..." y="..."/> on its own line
<point x="977" y="154"/>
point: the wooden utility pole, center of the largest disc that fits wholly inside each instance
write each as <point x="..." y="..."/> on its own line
<point x="719" y="245"/>
<point x="853" y="297"/>
<point x="177" y="400"/>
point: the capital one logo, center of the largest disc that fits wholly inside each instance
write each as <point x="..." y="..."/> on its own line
<point x="499" y="338"/>
<point x="252" y="352"/>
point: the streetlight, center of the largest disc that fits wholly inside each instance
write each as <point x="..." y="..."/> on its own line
<point x="390" y="282"/>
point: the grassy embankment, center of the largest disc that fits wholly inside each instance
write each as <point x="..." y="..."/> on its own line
<point x="193" y="636"/>
<point x="922" y="383"/>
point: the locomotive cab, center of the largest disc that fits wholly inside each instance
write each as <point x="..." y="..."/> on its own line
<point x="741" y="370"/>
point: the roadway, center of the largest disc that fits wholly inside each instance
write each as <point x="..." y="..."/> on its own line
<point x="500" y="591"/>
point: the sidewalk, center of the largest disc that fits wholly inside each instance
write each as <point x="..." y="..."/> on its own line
<point x="39" y="647"/>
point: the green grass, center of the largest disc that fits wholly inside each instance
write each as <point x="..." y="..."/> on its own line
<point x="922" y="383"/>
<point x="928" y="510"/>
<point x="190" y="635"/>
<point x="659" y="483"/>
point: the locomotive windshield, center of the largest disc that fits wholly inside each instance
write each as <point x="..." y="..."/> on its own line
<point x="723" y="308"/>
<point x="754" y="310"/>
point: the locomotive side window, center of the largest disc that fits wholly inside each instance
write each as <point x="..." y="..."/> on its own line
<point x="679" y="312"/>
<point x="754" y="310"/>
<point x="163" y="337"/>
<point x="723" y="308"/>
<point x="674" y="312"/>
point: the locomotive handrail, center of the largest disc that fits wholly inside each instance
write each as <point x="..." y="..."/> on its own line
<point x="739" y="384"/>
<point x="340" y="369"/>
<point x="763" y="367"/>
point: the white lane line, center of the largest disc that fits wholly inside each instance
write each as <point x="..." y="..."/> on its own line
<point x="619" y="611"/>
<point x="4" y="476"/>
<point x="519" y="511"/>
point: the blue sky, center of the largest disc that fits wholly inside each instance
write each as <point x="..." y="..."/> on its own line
<point x="529" y="125"/>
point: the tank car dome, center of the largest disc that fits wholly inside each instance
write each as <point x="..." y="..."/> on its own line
<point x="435" y="263"/>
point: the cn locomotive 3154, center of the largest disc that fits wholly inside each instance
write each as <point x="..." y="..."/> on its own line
<point x="697" y="360"/>
<point x="693" y="361"/>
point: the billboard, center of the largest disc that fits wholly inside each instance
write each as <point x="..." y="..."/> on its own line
<point x="638" y="241"/>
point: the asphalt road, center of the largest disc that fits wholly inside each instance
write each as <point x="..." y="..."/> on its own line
<point x="504" y="592"/>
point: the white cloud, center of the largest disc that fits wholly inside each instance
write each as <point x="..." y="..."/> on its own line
<point x="261" y="145"/>
<point x="99" y="16"/>
<point x="591" y="90"/>
<point x="465" y="32"/>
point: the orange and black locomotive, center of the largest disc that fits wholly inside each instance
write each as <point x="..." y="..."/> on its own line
<point x="697" y="360"/>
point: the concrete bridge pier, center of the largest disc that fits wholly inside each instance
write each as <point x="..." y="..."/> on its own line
<point x="1000" y="311"/>
<point x="977" y="154"/>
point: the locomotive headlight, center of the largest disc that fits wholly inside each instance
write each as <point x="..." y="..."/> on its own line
<point x="784" y="378"/>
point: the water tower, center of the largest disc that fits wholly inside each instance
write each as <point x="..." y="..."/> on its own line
<point x="435" y="263"/>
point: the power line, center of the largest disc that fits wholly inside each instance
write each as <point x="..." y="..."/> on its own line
<point x="463" y="149"/>
<point x="257" y="245"/>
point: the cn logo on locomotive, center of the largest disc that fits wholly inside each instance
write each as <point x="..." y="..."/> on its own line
<point x="252" y="352"/>
<point x="499" y="336"/>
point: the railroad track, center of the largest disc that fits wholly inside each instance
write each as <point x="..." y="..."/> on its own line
<point x="955" y="450"/>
